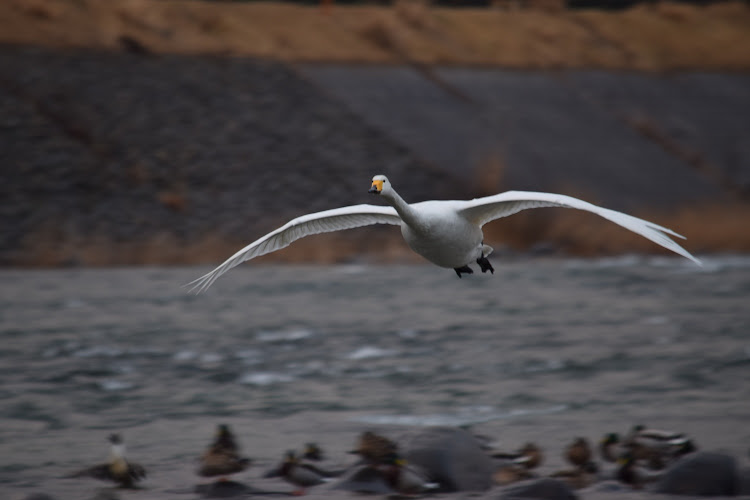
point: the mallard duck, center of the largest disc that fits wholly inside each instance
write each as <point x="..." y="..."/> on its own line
<point x="656" y="448"/>
<point x="511" y="473"/>
<point x="578" y="477"/>
<point x="640" y="431"/>
<point x="610" y="447"/>
<point x="528" y="456"/>
<point x="374" y="448"/>
<point x="118" y="469"/>
<point x="222" y="457"/>
<point x="402" y="478"/>
<point x="578" y="452"/>
<point x="312" y="452"/>
<point x="300" y="474"/>
<point x="446" y="233"/>
<point x="630" y="473"/>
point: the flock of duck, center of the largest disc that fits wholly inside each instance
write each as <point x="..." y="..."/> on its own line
<point x="634" y="459"/>
<point x="638" y="458"/>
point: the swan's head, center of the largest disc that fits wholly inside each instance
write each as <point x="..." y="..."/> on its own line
<point x="380" y="184"/>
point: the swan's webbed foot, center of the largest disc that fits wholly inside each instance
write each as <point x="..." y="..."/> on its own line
<point x="485" y="265"/>
<point x="465" y="270"/>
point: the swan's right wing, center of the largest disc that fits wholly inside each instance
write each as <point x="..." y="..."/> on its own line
<point x="320" y="222"/>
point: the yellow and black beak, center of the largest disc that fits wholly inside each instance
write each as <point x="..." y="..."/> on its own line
<point x="377" y="187"/>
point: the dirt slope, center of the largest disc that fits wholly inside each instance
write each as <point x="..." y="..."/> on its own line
<point x="663" y="36"/>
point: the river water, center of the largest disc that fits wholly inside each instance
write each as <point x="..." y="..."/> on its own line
<point x="544" y="350"/>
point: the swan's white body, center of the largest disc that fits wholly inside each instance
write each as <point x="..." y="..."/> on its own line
<point x="447" y="233"/>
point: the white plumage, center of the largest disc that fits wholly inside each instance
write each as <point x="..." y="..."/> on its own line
<point x="447" y="233"/>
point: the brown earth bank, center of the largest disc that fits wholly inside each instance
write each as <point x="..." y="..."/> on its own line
<point x="659" y="36"/>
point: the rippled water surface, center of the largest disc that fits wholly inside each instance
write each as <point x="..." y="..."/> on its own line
<point x="544" y="350"/>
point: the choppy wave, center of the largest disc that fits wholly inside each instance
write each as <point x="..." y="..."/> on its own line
<point x="265" y="378"/>
<point x="290" y="335"/>
<point x="469" y="416"/>
<point x="115" y="385"/>
<point x="368" y="352"/>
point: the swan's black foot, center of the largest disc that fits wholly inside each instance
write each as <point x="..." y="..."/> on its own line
<point x="465" y="269"/>
<point x="485" y="265"/>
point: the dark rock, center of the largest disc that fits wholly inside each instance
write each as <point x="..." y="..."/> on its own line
<point x="222" y="489"/>
<point x="607" y="486"/>
<point x="743" y="482"/>
<point x="702" y="474"/>
<point x="105" y="494"/>
<point x="38" y="496"/>
<point x="545" y="488"/>
<point x="451" y="457"/>
<point x="230" y="489"/>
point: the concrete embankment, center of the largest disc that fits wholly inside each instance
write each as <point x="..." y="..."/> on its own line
<point x="119" y="158"/>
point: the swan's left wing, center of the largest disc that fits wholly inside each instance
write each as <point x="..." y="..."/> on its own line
<point x="483" y="210"/>
<point x="320" y="222"/>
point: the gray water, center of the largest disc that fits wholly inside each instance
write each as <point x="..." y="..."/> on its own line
<point x="544" y="350"/>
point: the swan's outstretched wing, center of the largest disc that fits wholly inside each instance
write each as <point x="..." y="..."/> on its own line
<point x="319" y="222"/>
<point x="483" y="210"/>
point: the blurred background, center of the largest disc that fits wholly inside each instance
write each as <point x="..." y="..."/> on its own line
<point x="174" y="131"/>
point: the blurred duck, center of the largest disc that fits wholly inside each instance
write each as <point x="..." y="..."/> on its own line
<point x="630" y="473"/>
<point x="578" y="477"/>
<point x="585" y="469"/>
<point x="579" y="452"/>
<point x="222" y="457"/>
<point x="657" y="448"/>
<point x="610" y="447"/>
<point x="661" y="455"/>
<point x="641" y="432"/>
<point x="312" y="452"/>
<point x="511" y="473"/>
<point x="298" y="473"/>
<point x="374" y="449"/>
<point x="402" y="478"/>
<point x="517" y="465"/>
<point x="117" y="469"/>
<point x="653" y="448"/>
<point x="529" y="456"/>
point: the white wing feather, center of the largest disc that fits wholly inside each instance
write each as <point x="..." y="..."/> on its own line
<point x="320" y="222"/>
<point x="483" y="210"/>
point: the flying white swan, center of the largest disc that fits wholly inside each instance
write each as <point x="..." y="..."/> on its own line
<point x="447" y="233"/>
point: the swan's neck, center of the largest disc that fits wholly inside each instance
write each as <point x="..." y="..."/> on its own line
<point x="404" y="210"/>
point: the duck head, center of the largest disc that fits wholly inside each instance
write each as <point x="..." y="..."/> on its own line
<point x="313" y="452"/>
<point x="611" y="438"/>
